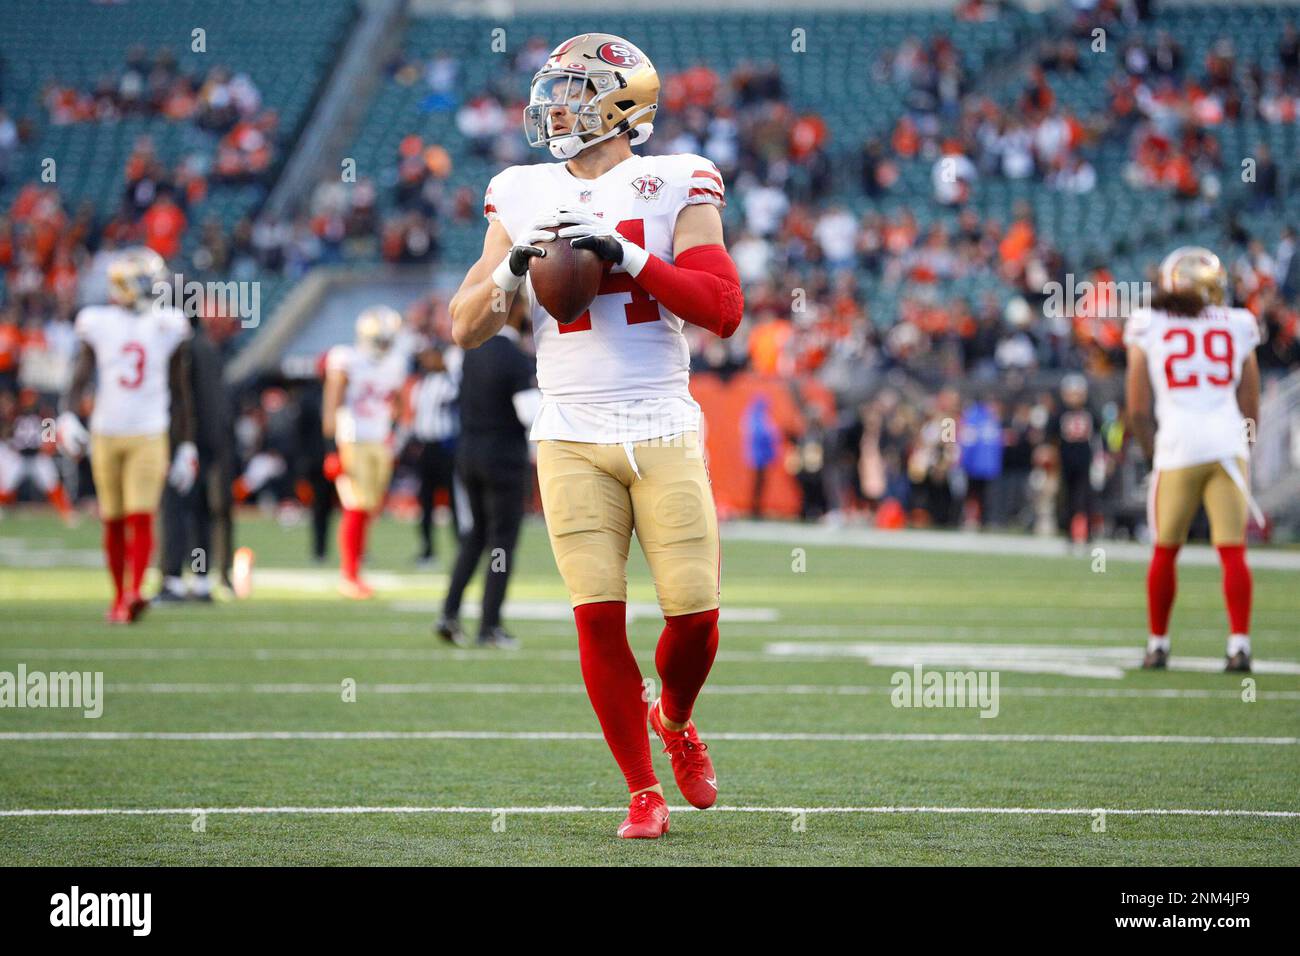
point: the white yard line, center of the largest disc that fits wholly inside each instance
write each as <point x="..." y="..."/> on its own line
<point x="726" y="690"/>
<point x="352" y="735"/>
<point x="986" y="544"/>
<point x="548" y="810"/>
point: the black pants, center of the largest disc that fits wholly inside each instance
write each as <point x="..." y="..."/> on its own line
<point x="1076" y="495"/>
<point x="435" y="464"/>
<point x="323" y="497"/>
<point x="187" y="526"/>
<point x="494" y="491"/>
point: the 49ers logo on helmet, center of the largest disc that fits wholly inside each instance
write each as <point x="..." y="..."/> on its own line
<point x="619" y="54"/>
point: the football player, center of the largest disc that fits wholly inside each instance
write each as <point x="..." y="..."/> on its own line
<point x="618" y="433"/>
<point x="136" y="349"/>
<point x="1195" y="358"/>
<point x="363" y="384"/>
<point x="24" y="456"/>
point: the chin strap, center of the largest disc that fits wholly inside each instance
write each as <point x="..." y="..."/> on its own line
<point x="566" y="147"/>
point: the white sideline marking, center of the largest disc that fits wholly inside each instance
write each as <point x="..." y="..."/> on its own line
<point x="725" y="690"/>
<point x="982" y="543"/>
<point x="563" y="611"/>
<point x="542" y="810"/>
<point x="1063" y="660"/>
<point x="1100" y="662"/>
<point x="227" y="735"/>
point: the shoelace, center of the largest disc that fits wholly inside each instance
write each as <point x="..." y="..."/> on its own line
<point x="690" y="750"/>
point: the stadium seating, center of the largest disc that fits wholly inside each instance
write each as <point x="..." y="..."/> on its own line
<point x="286" y="57"/>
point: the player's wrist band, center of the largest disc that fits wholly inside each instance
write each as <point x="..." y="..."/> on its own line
<point x="634" y="257"/>
<point x="504" y="278"/>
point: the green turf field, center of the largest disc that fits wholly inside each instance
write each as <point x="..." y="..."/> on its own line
<point x="500" y="749"/>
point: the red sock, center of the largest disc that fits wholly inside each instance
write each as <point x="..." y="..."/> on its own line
<point x="115" y="552"/>
<point x="1236" y="586"/>
<point x="141" y="547"/>
<point x="614" y="685"/>
<point x="59" y="498"/>
<point x="352" y="542"/>
<point x="1162" y="585"/>
<point x="685" y="653"/>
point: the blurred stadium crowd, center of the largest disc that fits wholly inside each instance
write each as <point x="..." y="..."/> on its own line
<point x="904" y="272"/>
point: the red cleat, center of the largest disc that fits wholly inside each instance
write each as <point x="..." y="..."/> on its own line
<point x="647" y="818"/>
<point x="118" y="614"/>
<point x="692" y="765"/>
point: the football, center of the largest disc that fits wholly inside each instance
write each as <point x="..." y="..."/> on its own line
<point x="566" y="279"/>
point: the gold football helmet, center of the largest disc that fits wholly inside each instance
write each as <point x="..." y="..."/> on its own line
<point x="608" y="86"/>
<point x="377" y="329"/>
<point x="132" y="276"/>
<point x="1197" y="271"/>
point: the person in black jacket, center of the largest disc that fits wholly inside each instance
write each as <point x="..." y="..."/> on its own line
<point x="498" y="397"/>
<point x="189" y="519"/>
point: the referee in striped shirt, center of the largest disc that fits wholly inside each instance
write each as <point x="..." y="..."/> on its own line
<point x="433" y="400"/>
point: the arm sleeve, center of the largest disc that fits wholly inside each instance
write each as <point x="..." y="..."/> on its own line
<point x="336" y="360"/>
<point x="703" y="182"/>
<point x="1248" y="331"/>
<point x="702" y="287"/>
<point x="85" y="326"/>
<point x="496" y="190"/>
<point x="1136" y="328"/>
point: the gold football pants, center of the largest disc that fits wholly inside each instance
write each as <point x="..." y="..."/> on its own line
<point x="596" y="495"/>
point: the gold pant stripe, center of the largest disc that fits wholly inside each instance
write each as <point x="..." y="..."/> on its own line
<point x="595" y="496"/>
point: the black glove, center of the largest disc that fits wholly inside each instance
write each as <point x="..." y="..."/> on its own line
<point x="519" y="256"/>
<point x="606" y="247"/>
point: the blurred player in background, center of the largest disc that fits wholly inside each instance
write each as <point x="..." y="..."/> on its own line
<point x="138" y="352"/>
<point x="618" y="432"/>
<point x="363" y="385"/>
<point x="24" y="456"/>
<point x="1196" y="359"/>
<point x="433" y="427"/>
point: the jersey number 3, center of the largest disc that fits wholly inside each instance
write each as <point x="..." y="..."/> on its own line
<point x="642" y="308"/>
<point x="1216" y="344"/>
<point x="136" y="352"/>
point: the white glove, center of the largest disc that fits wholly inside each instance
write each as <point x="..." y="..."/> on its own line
<point x="509" y="275"/>
<point x="71" y="436"/>
<point x="185" y="467"/>
<point x="605" y="241"/>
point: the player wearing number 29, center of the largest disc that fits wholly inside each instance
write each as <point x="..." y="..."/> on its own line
<point x="137" y="350"/>
<point x="618" y="432"/>
<point x="1197" y="358"/>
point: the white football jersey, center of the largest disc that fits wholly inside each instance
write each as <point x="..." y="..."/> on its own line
<point x="133" y="352"/>
<point x="621" y="371"/>
<point x="1195" y="367"/>
<point x="366" y="414"/>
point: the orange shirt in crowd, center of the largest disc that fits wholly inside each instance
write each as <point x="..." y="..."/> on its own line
<point x="767" y="343"/>
<point x="164" y="224"/>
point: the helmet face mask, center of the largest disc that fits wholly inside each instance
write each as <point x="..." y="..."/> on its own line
<point x="133" y="276"/>
<point x="602" y="84"/>
<point x="377" y="329"/>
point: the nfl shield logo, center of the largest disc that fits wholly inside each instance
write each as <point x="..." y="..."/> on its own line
<point x="584" y="196"/>
<point x="648" y="187"/>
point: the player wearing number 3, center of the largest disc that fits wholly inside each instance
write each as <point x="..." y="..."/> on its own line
<point x="618" y="431"/>
<point x="1197" y="358"/>
<point x="137" y="350"/>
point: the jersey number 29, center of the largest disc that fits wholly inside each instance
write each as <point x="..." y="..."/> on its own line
<point x="1216" y="345"/>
